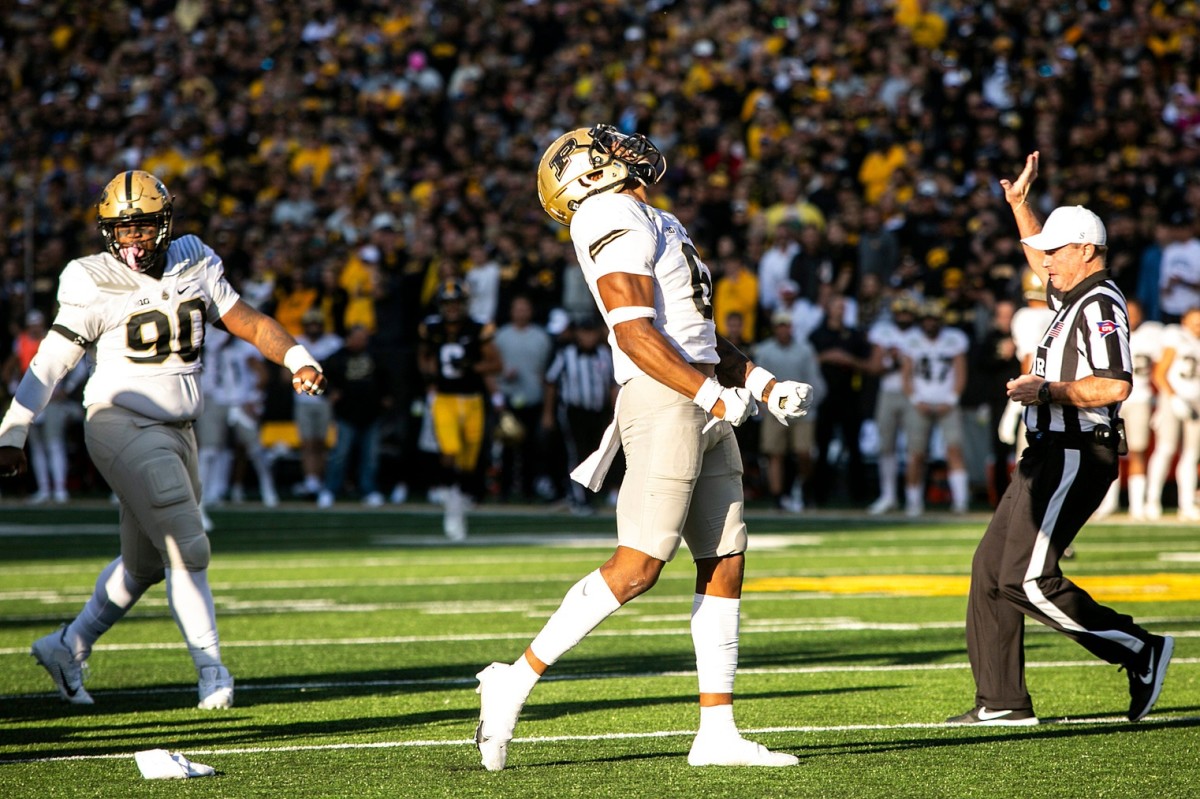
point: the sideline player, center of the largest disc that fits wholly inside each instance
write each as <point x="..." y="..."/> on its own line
<point x="934" y="374"/>
<point x="1177" y="378"/>
<point x="459" y="359"/>
<point x="683" y="478"/>
<point x="1145" y="347"/>
<point x="1081" y="374"/>
<point x="142" y="304"/>
<point x="891" y="404"/>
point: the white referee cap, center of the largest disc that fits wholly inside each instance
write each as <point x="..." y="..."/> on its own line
<point x="1069" y="224"/>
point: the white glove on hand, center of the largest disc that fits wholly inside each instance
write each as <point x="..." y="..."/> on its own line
<point x="739" y="405"/>
<point x="789" y="400"/>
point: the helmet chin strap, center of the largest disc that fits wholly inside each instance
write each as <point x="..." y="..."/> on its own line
<point x="130" y="256"/>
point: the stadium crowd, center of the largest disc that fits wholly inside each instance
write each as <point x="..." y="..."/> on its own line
<point x="832" y="161"/>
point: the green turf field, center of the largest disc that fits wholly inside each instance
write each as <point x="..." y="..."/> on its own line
<point x="355" y="636"/>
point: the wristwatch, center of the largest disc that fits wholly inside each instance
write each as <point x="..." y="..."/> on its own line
<point x="1044" y="393"/>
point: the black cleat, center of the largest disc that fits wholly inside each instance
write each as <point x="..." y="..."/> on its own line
<point x="1145" y="686"/>
<point x="982" y="717"/>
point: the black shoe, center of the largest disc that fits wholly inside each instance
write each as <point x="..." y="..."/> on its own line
<point x="983" y="717"/>
<point x="1145" y="686"/>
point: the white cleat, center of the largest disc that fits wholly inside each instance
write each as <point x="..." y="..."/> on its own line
<point x="726" y="750"/>
<point x="216" y="688"/>
<point x="454" y="523"/>
<point x="498" y="711"/>
<point x="881" y="505"/>
<point x="52" y="653"/>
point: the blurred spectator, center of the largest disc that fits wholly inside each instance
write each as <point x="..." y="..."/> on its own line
<point x="525" y="349"/>
<point x="790" y="358"/>
<point x="736" y="291"/>
<point x="1179" y="276"/>
<point x="313" y="414"/>
<point x="359" y="393"/>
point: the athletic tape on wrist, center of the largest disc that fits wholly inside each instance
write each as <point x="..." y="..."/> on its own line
<point x="297" y="358"/>
<point x="708" y="394"/>
<point x="757" y="381"/>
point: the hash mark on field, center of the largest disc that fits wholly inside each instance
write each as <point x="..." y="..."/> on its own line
<point x="609" y="736"/>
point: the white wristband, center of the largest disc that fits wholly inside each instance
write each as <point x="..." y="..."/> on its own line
<point x="297" y="358"/>
<point x="757" y="381"/>
<point x="709" y="393"/>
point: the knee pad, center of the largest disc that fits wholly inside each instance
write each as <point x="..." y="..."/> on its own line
<point x="193" y="549"/>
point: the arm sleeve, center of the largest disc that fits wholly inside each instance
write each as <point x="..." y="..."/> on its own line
<point x="1107" y="340"/>
<point x="55" y="357"/>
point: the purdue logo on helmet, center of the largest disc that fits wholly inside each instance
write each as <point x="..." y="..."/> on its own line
<point x="589" y="161"/>
<point x="136" y="198"/>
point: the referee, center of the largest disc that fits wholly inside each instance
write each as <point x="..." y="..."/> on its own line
<point x="1081" y="372"/>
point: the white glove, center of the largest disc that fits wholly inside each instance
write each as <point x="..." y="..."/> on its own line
<point x="789" y="400"/>
<point x="739" y="402"/>
<point x="1006" y="431"/>
<point x="1182" y="409"/>
<point x="159" y="764"/>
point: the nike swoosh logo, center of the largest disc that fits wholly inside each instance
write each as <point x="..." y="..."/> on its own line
<point x="989" y="715"/>
<point x="1146" y="678"/>
<point x="62" y="675"/>
<point x="180" y="291"/>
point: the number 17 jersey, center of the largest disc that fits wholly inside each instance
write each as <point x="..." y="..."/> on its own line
<point x="147" y="334"/>
<point x="617" y="233"/>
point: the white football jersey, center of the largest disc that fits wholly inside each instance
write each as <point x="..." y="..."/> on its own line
<point x="886" y="335"/>
<point x="617" y="233"/>
<point x="147" y="333"/>
<point x="933" y="378"/>
<point x="238" y="381"/>
<point x="1183" y="375"/>
<point x="1145" y="347"/>
<point x="1028" y="327"/>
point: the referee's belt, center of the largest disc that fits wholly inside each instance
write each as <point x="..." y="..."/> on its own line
<point x="1101" y="435"/>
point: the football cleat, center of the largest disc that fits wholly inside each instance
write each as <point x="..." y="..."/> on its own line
<point x="68" y="673"/>
<point x="734" y="750"/>
<point x="498" y="711"/>
<point x="216" y="688"/>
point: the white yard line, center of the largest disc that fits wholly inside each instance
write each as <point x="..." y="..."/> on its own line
<point x="611" y="736"/>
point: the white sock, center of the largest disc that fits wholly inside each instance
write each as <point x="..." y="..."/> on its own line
<point x="191" y="604"/>
<point x="1137" y="494"/>
<point x="718" y="720"/>
<point x="959" y="489"/>
<point x="1112" y="498"/>
<point x="588" y="602"/>
<point x="523" y="676"/>
<point x="1185" y="479"/>
<point x="115" y="593"/>
<point x="887" y="477"/>
<point x="40" y="464"/>
<point x="914" y="496"/>
<point x="715" y="638"/>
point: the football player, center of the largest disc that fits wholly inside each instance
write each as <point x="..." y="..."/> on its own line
<point x="674" y="419"/>
<point x="1029" y="325"/>
<point x="891" y="405"/>
<point x="1177" y="378"/>
<point x="459" y="359"/>
<point x="934" y="372"/>
<point x="1145" y="348"/>
<point x="142" y="305"/>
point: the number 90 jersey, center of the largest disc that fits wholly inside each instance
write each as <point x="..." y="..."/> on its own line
<point x="617" y="233"/>
<point x="147" y="333"/>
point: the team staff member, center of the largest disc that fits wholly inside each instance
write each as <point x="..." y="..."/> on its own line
<point x="683" y="475"/>
<point x="143" y="304"/>
<point x="1081" y="373"/>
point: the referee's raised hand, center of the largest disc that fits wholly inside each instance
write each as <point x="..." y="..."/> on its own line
<point x="1015" y="191"/>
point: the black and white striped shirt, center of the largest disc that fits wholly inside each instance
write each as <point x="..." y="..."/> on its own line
<point x="584" y="379"/>
<point x="1089" y="335"/>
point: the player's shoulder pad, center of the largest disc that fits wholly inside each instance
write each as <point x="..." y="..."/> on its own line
<point x="605" y="217"/>
<point x="84" y="279"/>
<point x="187" y="253"/>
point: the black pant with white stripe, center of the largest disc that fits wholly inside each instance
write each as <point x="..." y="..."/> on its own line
<point x="1015" y="572"/>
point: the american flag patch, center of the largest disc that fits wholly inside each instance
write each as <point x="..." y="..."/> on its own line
<point x="1107" y="327"/>
<point x="1056" y="328"/>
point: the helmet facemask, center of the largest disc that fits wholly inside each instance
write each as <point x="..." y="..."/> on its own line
<point x="136" y="198"/>
<point x="585" y="162"/>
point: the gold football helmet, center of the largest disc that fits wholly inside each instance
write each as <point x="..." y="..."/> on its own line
<point x="1032" y="287"/>
<point x="135" y="198"/>
<point x="589" y="161"/>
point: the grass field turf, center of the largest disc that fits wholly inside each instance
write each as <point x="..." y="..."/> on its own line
<point x="355" y="636"/>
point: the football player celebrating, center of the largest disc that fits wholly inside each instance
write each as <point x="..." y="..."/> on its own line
<point x="934" y="372"/>
<point x="458" y="357"/>
<point x="1177" y="378"/>
<point x="142" y="305"/>
<point x="682" y="390"/>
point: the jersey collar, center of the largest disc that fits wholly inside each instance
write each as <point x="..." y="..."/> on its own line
<point x="1084" y="286"/>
